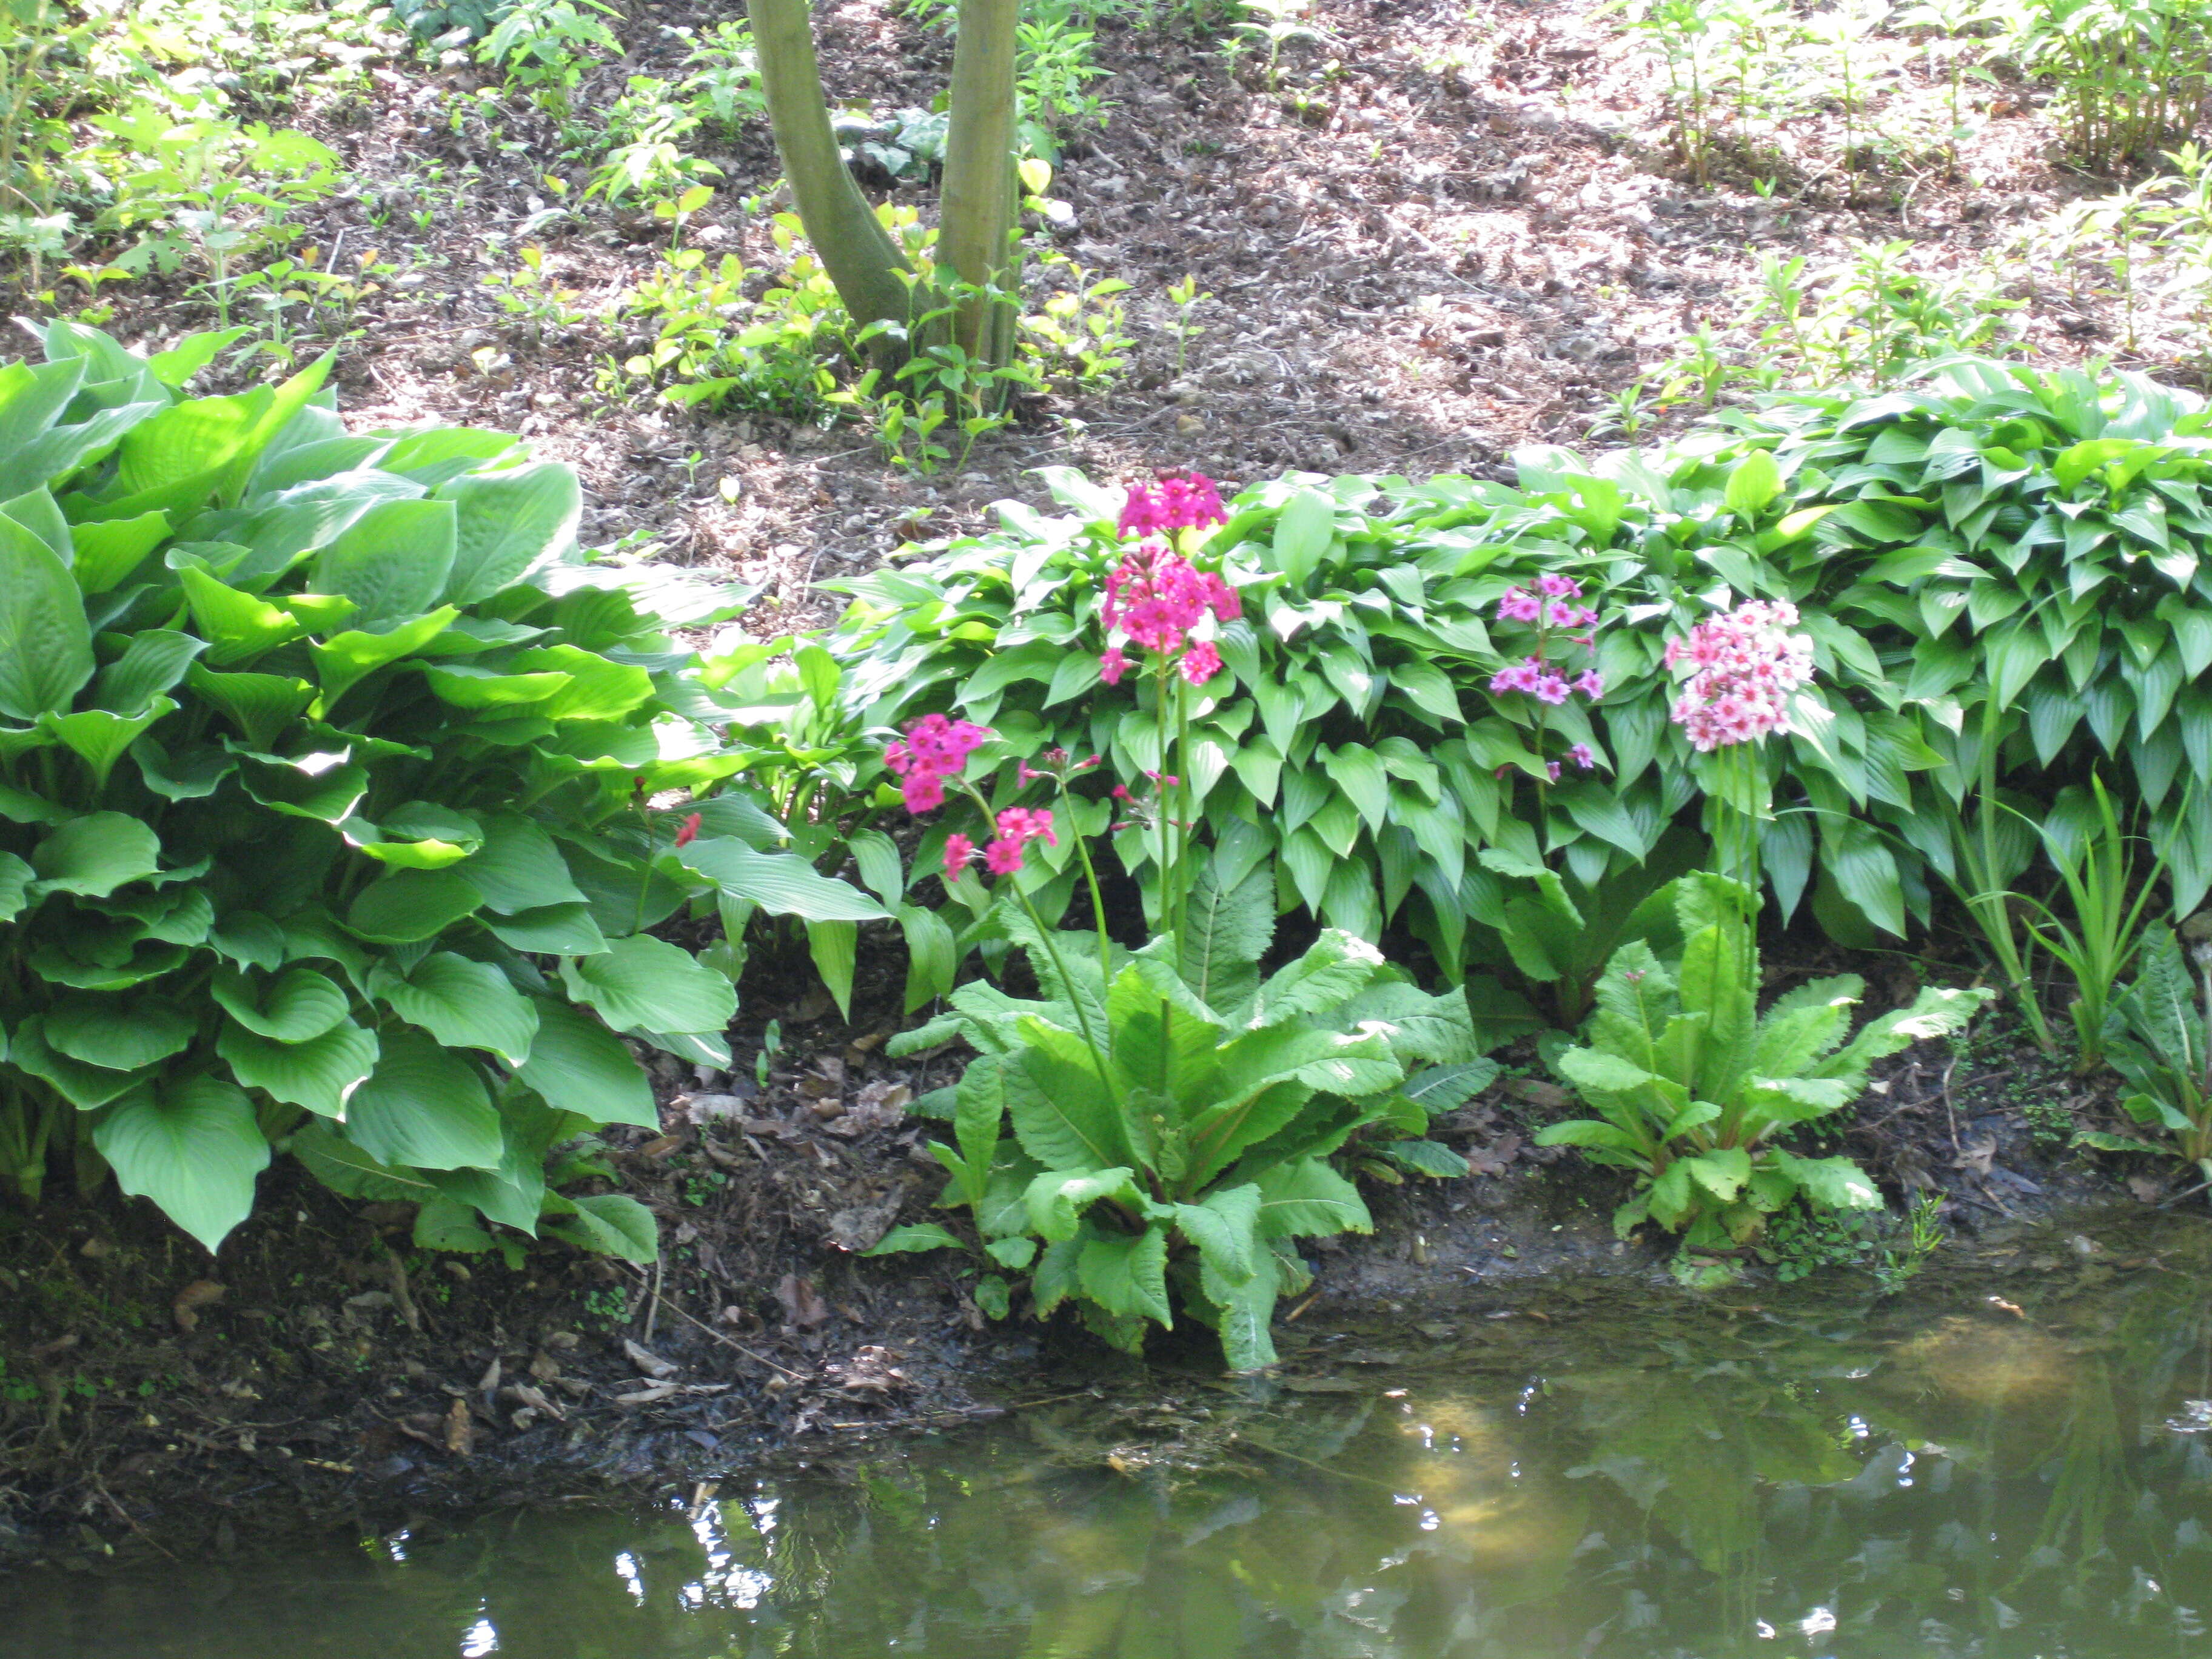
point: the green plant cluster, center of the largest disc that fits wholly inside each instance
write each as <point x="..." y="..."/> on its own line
<point x="2000" y="569"/>
<point x="327" y="765"/>
<point x="1694" y="1087"/>
<point x="136" y="138"/>
<point x="1165" y="1118"/>
<point x="2129" y="78"/>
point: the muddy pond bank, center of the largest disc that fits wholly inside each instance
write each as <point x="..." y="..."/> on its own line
<point x="322" y="1367"/>
<point x="1589" y="1465"/>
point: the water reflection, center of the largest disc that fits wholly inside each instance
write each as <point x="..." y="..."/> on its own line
<point x="1645" y="1481"/>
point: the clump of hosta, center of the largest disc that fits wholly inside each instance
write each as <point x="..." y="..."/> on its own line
<point x="327" y="772"/>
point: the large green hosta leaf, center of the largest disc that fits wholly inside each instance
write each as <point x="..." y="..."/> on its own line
<point x="425" y="1106"/>
<point x="642" y="983"/>
<point x="462" y="1003"/>
<point x="46" y="643"/>
<point x="193" y="1147"/>
<point x="317" y="1073"/>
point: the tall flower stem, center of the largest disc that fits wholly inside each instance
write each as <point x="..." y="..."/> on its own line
<point x="1097" y="900"/>
<point x="1186" y="814"/>
<point x="1098" y="1058"/>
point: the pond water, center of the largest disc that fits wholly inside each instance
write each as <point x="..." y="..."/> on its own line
<point x="2017" y="1467"/>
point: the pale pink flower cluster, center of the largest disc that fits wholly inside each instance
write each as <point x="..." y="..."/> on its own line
<point x="1192" y="502"/>
<point x="934" y="749"/>
<point x="1744" y="665"/>
<point x="1156" y="598"/>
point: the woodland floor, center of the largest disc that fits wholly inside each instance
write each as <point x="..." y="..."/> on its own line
<point x="1473" y="243"/>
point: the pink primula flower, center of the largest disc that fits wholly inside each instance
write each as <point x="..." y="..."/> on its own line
<point x="1201" y="662"/>
<point x="958" y="850"/>
<point x="1745" y="664"/>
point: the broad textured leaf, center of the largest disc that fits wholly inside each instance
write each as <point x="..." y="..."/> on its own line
<point x="319" y="1074"/>
<point x="581" y="1067"/>
<point x="45" y="642"/>
<point x="194" y="1149"/>
<point x="462" y="1003"/>
<point x="392" y="561"/>
<point x="644" y="984"/>
<point x="408" y="905"/>
<point x="1224" y="1226"/>
<point x="613" y="1224"/>
<point x="1306" y="1199"/>
<point x="1062" y="1116"/>
<point x="506" y="523"/>
<point x="345" y="659"/>
<point x="781" y="883"/>
<point x="119" y="1034"/>
<point x="519" y="868"/>
<point x="425" y="1107"/>
<point x="1126" y="1273"/>
<point x="95" y="854"/>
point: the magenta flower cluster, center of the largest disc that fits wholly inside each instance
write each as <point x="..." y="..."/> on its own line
<point x="1540" y="680"/>
<point x="1744" y="665"/>
<point x="934" y="749"/>
<point x="1552" y="605"/>
<point x="1017" y="827"/>
<point x="1549" y="604"/>
<point x="1156" y="598"/>
<point x="1192" y="502"/>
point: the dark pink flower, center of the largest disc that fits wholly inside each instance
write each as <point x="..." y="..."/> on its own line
<point x="1519" y="604"/>
<point x="958" y="849"/>
<point x="924" y="792"/>
<point x="1021" y="823"/>
<point x="1201" y="662"/>
<point x="1003" y="857"/>
<point x="1581" y="756"/>
<point x="689" y="831"/>
<point x="1112" y="664"/>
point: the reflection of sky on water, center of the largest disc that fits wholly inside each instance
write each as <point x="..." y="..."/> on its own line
<point x="1677" y="1485"/>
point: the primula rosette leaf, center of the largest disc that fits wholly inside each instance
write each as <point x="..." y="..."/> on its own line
<point x="1695" y="1090"/>
<point x="1188" y="1126"/>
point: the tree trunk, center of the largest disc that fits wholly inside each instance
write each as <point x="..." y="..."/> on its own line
<point x="976" y="218"/>
<point x="857" y="252"/>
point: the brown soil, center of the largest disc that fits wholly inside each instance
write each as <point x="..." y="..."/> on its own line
<point x="1469" y="239"/>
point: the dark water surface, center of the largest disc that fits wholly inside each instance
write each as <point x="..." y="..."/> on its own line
<point x="2015" y="1466"/>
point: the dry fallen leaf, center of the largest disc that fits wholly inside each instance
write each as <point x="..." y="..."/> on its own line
<point x="878" y="1106"/>
<point x="1537" y="1093"/>
<point x="200" y="1293"/>
<point x="460" y="1431"/>
<point x="1976" y="1156"/>
<point x="2148" y="1188"/>
<point x="1493" y="1158"/>
<point x="802" y="1306"/>
<point x="648" y="1361"/>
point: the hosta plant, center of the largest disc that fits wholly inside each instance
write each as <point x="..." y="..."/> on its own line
<point x="1156" y="1134"/>
<point x="1695" y="1090"/>
<point x="326" y="761"/>
<point x="1402" y="733"/>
